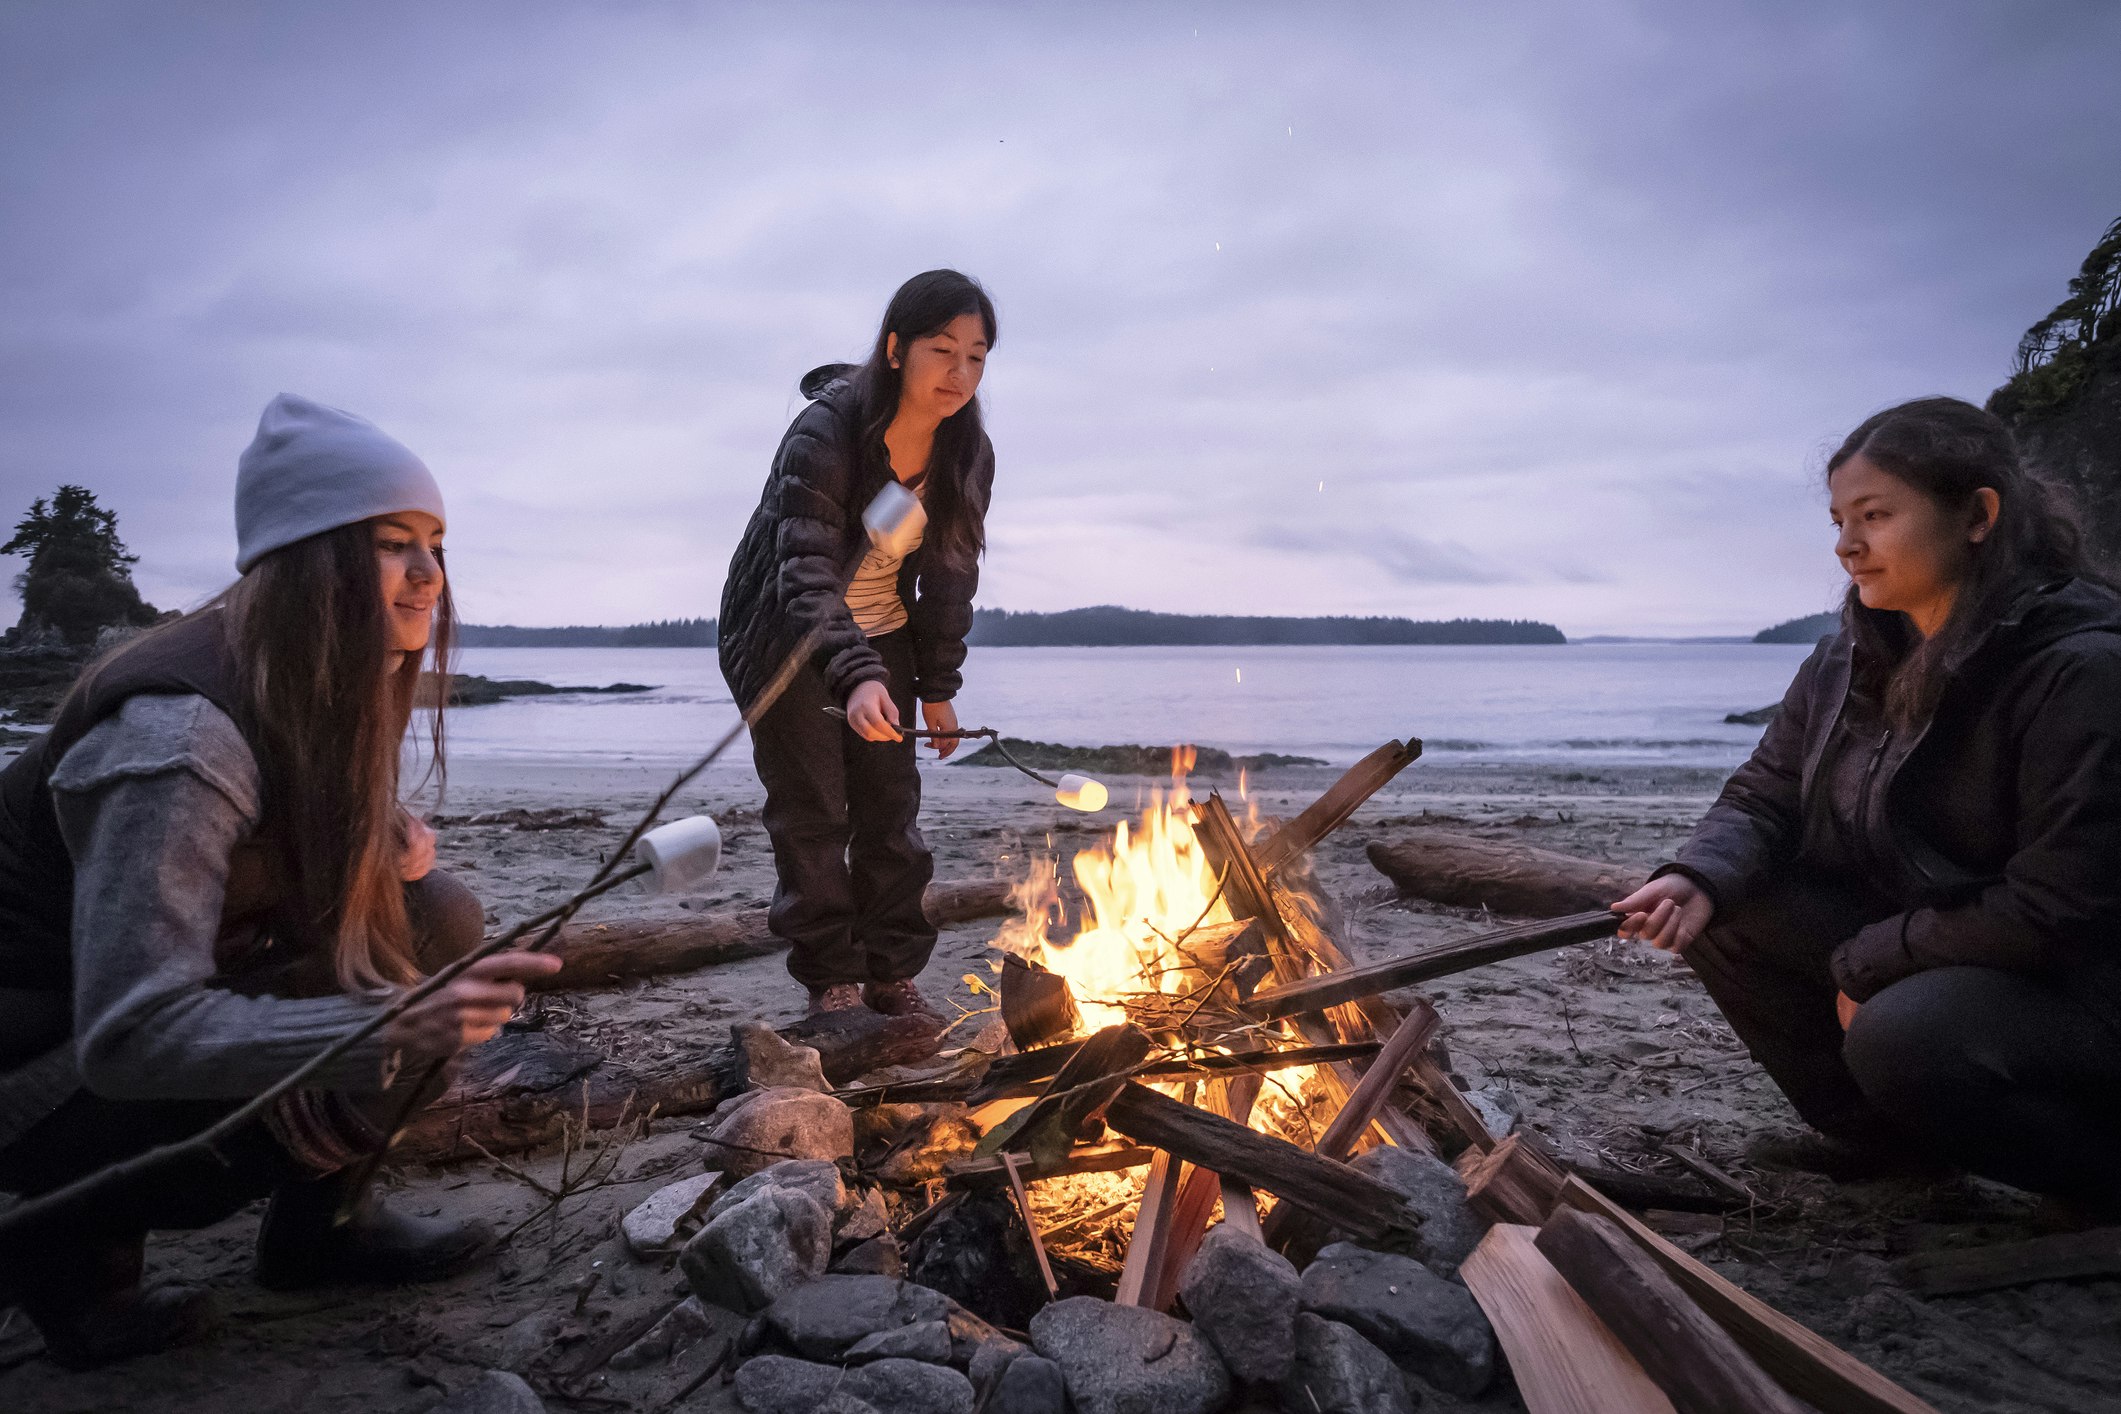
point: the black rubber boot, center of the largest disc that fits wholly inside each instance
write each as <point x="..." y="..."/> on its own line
<point x="302" y="1243"/>
<point x="88" y="1304"/>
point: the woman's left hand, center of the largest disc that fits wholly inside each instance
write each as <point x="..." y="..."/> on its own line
<point x="1846" y="1009"/>
<point x="416" y="856"/>
<point x="940" y="717"/>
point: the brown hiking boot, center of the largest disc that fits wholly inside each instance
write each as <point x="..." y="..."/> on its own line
<point x="900" y="998"/>
<point x="840" y="996"/>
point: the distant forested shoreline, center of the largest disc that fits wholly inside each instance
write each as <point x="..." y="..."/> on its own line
<point x="1104" y="626"/>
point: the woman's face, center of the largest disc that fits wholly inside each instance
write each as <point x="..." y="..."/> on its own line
<point x="1902" y="549"/>
<point x="409" y="556"/>
<point x="941" y="371"/>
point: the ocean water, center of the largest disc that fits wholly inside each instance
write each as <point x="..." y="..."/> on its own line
<point x="1614" y="703"/>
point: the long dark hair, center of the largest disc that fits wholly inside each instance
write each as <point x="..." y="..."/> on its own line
<point x="923" y="307"/>
<point x="308" y="645"/>
<point x="1948" y="449"/>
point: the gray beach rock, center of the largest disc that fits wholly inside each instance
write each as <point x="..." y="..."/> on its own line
<point x="771" y="1062"/>
<point x="1243" y="1298"/>
<point x="826" y="1318"/>
<point x="1449" y="1229"/>
<point x="749" y="1255"/>
<point x="863" y="1216"/>
<point x="1128" y="1359"/>
<point x="677" y="1332"/>
<point x="911" y="1387"/>
<point x="495" y="1392"/>
<point x="1031" y="1385"/>
<point x="879" y="1256"/>
<point x="923" y="1340"/>
<point x="1338" y="1372"/>
<point x="992" y="1359"/>
<point x="1428" y="1325"/>
<point x="772" y="1125"/>
<point x="820" y="1178"/>
<point x="657" y="1226"/>
<point x="780" y="1384"/>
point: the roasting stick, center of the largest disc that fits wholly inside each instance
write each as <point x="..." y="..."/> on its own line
<point x="1072" y="790"/>
<point x="885" y="521"/>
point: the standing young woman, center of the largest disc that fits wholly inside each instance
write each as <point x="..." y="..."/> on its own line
<point x="206" y="877"/>
<point x="1908" y="902"/>
<point x="843" y="798"/>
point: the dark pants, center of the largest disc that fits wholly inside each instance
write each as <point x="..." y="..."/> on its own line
<point x="844" y="818"/>
<point x="89" y="1132"/>
<point x="2010" y="1076"/>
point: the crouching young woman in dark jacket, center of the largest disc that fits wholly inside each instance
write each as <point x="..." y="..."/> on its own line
<point x="206" y="878"/>
<point x="1908" y="902"/>
<point x="843" y="798"/>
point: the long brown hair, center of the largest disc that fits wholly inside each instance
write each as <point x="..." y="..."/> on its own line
<point x="1948" y="449"/>
<point x="922" y="307"/>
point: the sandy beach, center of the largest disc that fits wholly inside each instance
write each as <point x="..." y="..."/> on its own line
<point x="1606" y="1051"/>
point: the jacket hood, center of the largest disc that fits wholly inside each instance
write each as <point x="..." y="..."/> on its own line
<point x="2036" y="619"/>
<point x="818" y="380"/>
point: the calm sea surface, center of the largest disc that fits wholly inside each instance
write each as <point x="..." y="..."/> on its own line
<point x="1589" y="703"/>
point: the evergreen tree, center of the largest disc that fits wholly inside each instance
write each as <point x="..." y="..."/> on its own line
<point x="79" y="581"/>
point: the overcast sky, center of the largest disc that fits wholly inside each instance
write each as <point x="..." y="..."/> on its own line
<point x="1562" y="303"/>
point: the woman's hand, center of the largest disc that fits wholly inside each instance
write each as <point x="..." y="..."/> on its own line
<point x="416" y="854"/>
<point x="1846" y="1008"/>
<point x="940" y="717"/>
<point x="872" y="713"/>
<point x="469" y="1010"/>
<point x="1667" y="912"/>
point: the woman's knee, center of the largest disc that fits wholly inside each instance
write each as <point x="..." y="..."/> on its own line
<point x="1923" y="1037"/>
<point x="447" y="918"/>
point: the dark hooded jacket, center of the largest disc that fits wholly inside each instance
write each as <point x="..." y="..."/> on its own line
<point x="1994" y="828"/>
<point x="789" y="572"/>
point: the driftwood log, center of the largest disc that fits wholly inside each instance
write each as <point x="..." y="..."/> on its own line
<point x="600" y="954"/>
<point x="522" y="1088"/>
<point x="1563" y="1358"/>
<point x="1802" y="1362"/>
<point x="2064" y="1256"/>
<point x="856" y="1041"/>
<point x="1350" y="1200"/>
<point x="1501" y="876"/>
<point x="1697" y="1364"/>
<point x="1346" y="795"/>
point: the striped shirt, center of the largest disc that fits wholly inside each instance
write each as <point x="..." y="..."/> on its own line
<point x="872" y="596"/>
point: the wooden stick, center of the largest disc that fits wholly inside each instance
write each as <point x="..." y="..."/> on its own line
<point x="1152" y="1226"/>
<point x="1241" y="1209"/>
<point x="1018" y="1081"/>
<point x="1371" y="1095"/>
<point x="1812" y="1368"/>
<point x="1691" y="1358"/>
<point x="602" y="954"/>
<point x="1512" y="879"/>
<point x="1351" y="1201"/>
<point x="1083" y="1158"/>
<point x="1197" y="1199"/>
<point x="1563" y="1358"/>
<point x="2064" y="1256"/>
<point x="1331" y="810"/>
<point x="1023" y="1206"/>
<point x="1335" y="988"/>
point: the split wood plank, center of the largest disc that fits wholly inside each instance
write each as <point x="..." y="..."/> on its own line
<point x="2063" y="1256"/>
<point x="1018" y="1081"/>
<point x="1697" y="1364"/>
<point x="1197" y="1198"/>
<point x="1023" y="1208"/>
<point x="602" y="954"/>
<point x="1331" y="810"/>
<point x="1562" y="1357"/>
<point x="1807" y="1365"/>
<point x="1336" y="988"/>
<point x="1152" y="1230"/>
<point x="1351" y="1201"/>
<point x="1503" y="876"/>
<point x="1083" y="1158"/>
<point x="1514" y="1182"/>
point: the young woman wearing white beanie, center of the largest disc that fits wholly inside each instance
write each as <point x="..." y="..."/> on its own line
<point x="206" y="876"/>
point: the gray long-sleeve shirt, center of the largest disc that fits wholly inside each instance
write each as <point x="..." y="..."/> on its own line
<point x="152" y="802"/>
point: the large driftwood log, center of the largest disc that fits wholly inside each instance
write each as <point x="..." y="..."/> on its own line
<point x="1350" y="1200"/>
<point x="600" y="954"/>
<point x="1691" y="1358"/>
<point x="1360" y="983"/>
<point x="522" y="1088"/>
<point x="1805" y="1364"/>
<point x="1499" y="875"/>
<point x="2063" y="1256"/>
<point x="1563" y="1358"/>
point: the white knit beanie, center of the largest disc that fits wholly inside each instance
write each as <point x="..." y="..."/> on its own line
<point x="313" y="468"/>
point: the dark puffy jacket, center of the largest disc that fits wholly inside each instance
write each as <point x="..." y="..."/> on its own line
<point x="789" y="571"/>
<point x="1995" y="826"/>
